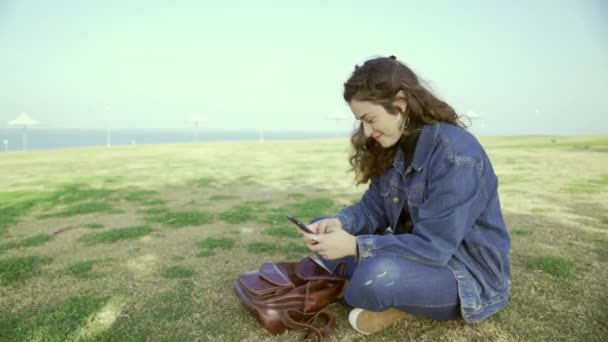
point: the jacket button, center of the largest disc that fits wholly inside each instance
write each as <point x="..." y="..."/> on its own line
<point x="395" y="200"/>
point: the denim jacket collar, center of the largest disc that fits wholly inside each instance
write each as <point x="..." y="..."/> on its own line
<point x="424" y="148"/>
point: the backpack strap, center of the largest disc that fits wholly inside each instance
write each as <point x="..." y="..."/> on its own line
<point x="340" y="271"/>
<point x="330" y="324"/>
<point x="297" y="320"/>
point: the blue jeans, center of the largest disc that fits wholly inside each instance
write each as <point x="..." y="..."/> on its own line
<point x="382" y="282"/>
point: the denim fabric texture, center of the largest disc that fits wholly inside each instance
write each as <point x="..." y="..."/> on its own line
<point x="380" y="283"/>
<point x="451" y="192"/>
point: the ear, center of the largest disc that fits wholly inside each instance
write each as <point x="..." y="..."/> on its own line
<point x="400" y="101"/>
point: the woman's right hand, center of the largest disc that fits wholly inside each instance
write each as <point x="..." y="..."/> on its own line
<point x="325" y="226"/>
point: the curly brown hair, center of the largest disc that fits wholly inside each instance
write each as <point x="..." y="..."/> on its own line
<point x="378" y="81"/>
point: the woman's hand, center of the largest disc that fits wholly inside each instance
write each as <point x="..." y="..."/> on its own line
<point x="326" y="226"/>
<point x="331" y="240"/>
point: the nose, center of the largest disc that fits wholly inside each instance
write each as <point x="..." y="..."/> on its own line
<point x="367" y="129"/>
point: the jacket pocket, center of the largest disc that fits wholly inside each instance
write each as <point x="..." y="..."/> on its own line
<point x="492" y="262"/>
<point x="415" y="195"/>
<point x="385" y="190"/>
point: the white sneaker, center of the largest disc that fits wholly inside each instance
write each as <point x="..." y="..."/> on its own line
<point x="369" y="322"/>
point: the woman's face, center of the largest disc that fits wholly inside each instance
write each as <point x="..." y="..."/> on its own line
<point x="378" y="124"/>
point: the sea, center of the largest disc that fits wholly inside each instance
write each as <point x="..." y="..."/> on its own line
<point x="47" y="139"/>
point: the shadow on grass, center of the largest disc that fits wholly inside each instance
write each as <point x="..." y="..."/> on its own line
<point x="177" y="219"/>
<point x="79" y="198"/>
<point x="589" y="186"/>
<point x="56" y="323"/>
<point x="173" y="272"/>
<point x="17" y="269"/>
<point x="36" y="240"/>
<point x="184" y="306"/>
<point x="209" y="245"/>
<point x="84" y="270"/>
<point x="115" y="235"/>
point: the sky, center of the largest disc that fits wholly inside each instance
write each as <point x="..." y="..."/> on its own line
<point x="525" y="67"/>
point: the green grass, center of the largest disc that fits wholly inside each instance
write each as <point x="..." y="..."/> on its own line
<point x="159" y="314"/>
<point x="283" y="231"/>
<point x="292" y="248"/>
<point x="205" y="253"/>
<point x="170" y="284"/>
<point x="512" y="179"/>
<point x="16" y="269"/>
<point x="114" y="235"/>
<point x="216" y="243"/>
<point x="243" y="212"/>
<point x="72" y="193"/>
<point x="33" y="241"/>
<point x="178" y="272"/>
<point x="154" y="201"/>
<point x="221" y="197"/>
<point x="204" y="181"/>
<point x="601" y="249"/>
<point x="139" y="195"/>
<point x="179" y="219"/>
<point x="56" y="323"/>
<point x="313" y="207"/>
<point x="261" y="247"/>
<point x="275" y="216"/>
<point x="114" y="180"/>
<point x="82" y="209"/>
<point x="83" y="270"/>
<point x="10" y="213"/>
<point x="553" y="265"/>
<point x="589" y="186"/>
<point x="541" y="210"/>
<point x="236" y="215"/>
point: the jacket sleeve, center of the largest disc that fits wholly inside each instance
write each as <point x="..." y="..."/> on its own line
<point x="456" y="197"/>
<point x="366" y="216"/>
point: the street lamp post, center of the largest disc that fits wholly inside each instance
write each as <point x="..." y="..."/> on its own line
<point x="196" y="119"/>
<point x="108" y="127"/>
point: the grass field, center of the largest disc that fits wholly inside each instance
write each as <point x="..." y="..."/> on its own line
<point x="143" y="243"/>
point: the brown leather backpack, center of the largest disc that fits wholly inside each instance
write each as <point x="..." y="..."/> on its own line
<point x="292" y="295"/>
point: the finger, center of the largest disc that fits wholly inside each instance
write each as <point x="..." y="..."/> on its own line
<point x="323" y="229"/>
<point x="311" y="238"/>
<point x="315" y="247"/>
<point x="326" y="227"/>
<point x="314" y="227"/>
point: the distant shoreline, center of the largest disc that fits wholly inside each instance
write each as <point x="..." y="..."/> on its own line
<point x="50" y="139"/>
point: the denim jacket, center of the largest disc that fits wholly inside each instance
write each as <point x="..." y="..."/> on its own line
<point x="451" y="191"/>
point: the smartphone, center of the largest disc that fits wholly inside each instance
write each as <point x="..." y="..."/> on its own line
<point x="300" y="225"/>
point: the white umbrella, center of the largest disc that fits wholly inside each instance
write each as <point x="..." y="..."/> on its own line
<point x="23" y="120"/>
<point x="196" y="119"/>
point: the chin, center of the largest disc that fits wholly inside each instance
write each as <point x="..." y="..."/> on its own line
<point x="386" y="143"/>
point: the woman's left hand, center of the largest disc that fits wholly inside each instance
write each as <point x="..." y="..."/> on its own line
<point x="333" y="245"/>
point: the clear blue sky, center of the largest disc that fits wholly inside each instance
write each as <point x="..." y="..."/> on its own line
<point x="526" y="67"/>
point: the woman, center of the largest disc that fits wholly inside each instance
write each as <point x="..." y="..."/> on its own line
<point x="428" y="236"/>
